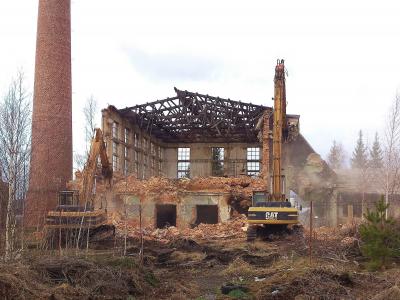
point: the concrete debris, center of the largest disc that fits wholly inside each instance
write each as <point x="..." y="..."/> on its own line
<point x="239" y="188"/>
<point x="131" y="184"/>
<point x="230" y="229"/>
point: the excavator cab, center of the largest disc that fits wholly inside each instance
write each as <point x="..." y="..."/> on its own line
<point x="69" y="201"/>
<point x="270" y="217"/>
<point x="262" y="199"/>
<point x="68" y="198"/>
<point x="264" y="211"/>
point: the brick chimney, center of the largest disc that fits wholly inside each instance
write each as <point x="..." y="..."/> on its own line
<point x="51" y="161"/>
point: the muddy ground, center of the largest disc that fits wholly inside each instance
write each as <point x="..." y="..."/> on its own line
<point x="230" y="268"/>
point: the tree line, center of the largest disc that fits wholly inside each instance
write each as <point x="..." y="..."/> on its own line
<point x="15" y="151"/>
<point x="362" y="155"/>
<point x="375" y="166"/>
<point x="15" y="154"/>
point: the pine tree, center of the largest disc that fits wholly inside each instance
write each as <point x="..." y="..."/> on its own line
<point x="376" y="156"/>
<point x="380" y="237"/>
<point x="359" y="159"/>
<point x="336" y="156"/>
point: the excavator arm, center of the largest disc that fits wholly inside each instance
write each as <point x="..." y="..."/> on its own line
<point x="279" y="131"/>
<point x="97" y="149"/>
<point x="75" y="212"/>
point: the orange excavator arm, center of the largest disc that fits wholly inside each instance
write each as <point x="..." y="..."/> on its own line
<point x="97" y="149"/>
<point x="279" y="128"/>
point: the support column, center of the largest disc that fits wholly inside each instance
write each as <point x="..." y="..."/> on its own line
<point x="265" y="165"/>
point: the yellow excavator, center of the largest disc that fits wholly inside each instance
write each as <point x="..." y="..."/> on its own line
<point x="75" y="209"/>
<point x="273" y="212"/>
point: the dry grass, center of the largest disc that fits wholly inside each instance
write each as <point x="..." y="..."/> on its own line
<point x="180" y="256"/>
<point x="19" y="282"/>
<point x="239" y="268"/>
<point x="393" y="294"/>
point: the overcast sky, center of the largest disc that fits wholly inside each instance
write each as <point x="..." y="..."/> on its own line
<point x="343" y="57"/>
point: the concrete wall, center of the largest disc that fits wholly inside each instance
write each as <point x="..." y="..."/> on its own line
<point x="185" y="207"/>
<point x="354" y="205"/>
<point x="171" y="167"/>
<point x="235" y="158"/>
<point x="148" y="150"/>
<point x="163" y="161"/>
<point x="189" y="201"/>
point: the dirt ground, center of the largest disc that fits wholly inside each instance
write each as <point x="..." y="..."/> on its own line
<point x="202" y="267"/>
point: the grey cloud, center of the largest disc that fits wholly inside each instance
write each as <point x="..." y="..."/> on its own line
<point x="167" y="66"/>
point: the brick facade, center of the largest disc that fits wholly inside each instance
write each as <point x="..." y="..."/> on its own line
<point x="51" y="162"/>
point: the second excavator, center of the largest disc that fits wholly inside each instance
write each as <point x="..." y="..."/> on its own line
<point x="75" y="211"/>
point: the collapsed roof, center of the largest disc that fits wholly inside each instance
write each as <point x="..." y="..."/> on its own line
<point x="193" y="117"/>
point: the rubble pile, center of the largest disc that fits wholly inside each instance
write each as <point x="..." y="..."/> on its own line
<point x="234" y="228"/>
<point x="240" y="189"/>
<point x="341" y="243"/>
<point x="131" y="184"/>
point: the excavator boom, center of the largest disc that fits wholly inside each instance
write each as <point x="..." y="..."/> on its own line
<point x="97" y="149"/>
<point x="278" y="130"/>
<point x="273" y="212"/>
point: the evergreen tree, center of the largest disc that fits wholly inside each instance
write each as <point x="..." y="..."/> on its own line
<point x="380" y="237"/>
<point x="376" y="156"/>
<point x="359" y="159"/>
<point x="336" y="156"/>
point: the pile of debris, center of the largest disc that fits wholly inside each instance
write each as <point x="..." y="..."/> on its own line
<point x="234" y="228"/>
<point x="73" y="278"/>
<point x="239" y="188"/>
<point x="333" y="282"/>
<point x="341" y="244"/>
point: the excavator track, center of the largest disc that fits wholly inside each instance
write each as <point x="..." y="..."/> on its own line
<point x="272" y="232"/>
<point x="251" y="233"/>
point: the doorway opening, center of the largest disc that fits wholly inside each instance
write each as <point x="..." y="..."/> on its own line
<point x="166" y="215"/>
<point x="207" y="214"/>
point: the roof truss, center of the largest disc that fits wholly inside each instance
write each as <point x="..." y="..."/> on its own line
<point x="193" y="117"/>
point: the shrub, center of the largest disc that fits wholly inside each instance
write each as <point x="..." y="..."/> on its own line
<point x="380" y="237"/>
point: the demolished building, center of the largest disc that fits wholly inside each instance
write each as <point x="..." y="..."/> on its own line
<point x="195" y="158"/>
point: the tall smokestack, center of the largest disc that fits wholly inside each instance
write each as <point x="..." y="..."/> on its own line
<point x="51" y="161"/>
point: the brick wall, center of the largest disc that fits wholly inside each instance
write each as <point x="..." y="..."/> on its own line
<point x="51" y="162"/>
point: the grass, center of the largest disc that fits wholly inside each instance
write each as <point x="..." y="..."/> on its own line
<point x="122" y="262"/>
<point x="181" y="256"/>
<point x="151" y="279"/>
<point x="239" y="268"/>
<point x="238" y="294"/>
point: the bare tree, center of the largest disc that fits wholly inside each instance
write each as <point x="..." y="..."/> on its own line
<point x="15" y="123"/>
<point x="79" y="160"/>
<point x="89" y="112"/>
<point x="391" y="150"/>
